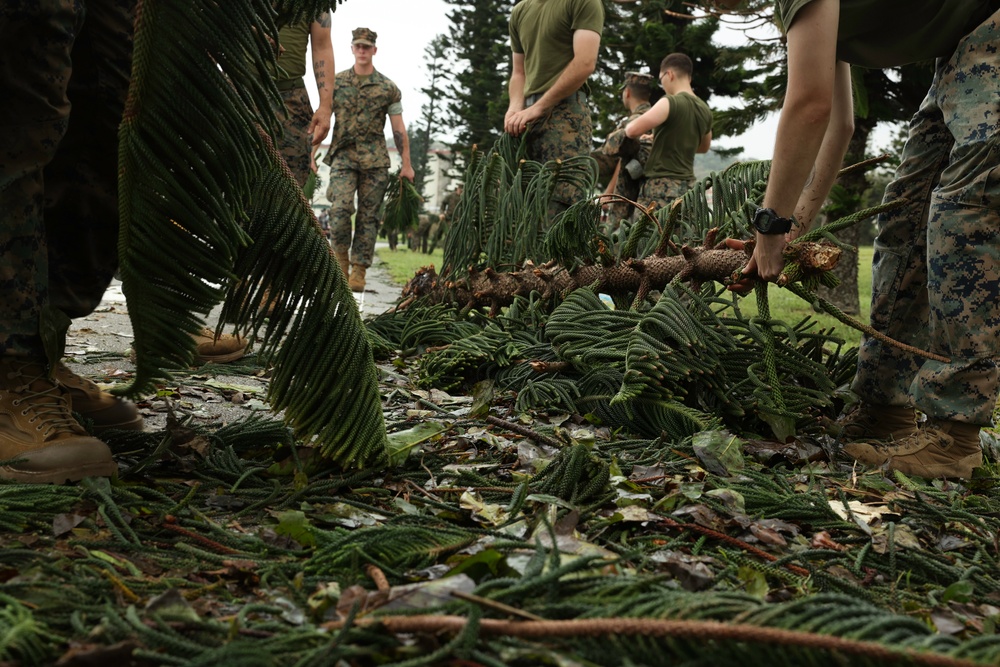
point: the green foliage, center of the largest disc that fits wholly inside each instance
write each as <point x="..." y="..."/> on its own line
<point x="402" y="205"/>
<point x="208" y="209"/>
<point x="431" y="114"/>
<point x="638" y="35"/>
<point x="23" y="639"/>
<point x="503" y="212"/>
<point x="188" y="561"/>
<point x="480" y="45"/>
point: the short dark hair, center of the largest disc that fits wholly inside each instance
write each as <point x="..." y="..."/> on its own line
<point x="679" y="62"/>
<point x="641" y="91"/>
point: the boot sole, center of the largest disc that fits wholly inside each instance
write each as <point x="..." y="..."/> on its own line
<point x="960" y="469"/>
<point x="222" y="358"/>
<point x="60" y="476"/>
<point x="136" y="424"/>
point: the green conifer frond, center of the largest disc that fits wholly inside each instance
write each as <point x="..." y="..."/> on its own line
<point x="504" y="211"/>
<point x="208" y="209"/>
<point x="402" y="205"/>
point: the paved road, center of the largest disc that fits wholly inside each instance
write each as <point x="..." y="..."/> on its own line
<point x="98" y="347"/>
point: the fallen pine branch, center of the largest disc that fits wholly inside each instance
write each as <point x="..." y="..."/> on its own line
<point x="700" y="631"/>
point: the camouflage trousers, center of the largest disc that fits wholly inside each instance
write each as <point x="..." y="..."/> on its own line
<point x="295" y="144"/>
<point x="421" y="239"/>
<point x="370" y="184"/>
<point x="58" y="173"/>
<point x="936" y="269"/>
<point x="564" y="133"/>
<point x="662" y="192"/>
<point x="629" y="188"/>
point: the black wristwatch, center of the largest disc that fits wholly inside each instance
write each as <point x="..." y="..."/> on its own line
<point x="766" y="221"/>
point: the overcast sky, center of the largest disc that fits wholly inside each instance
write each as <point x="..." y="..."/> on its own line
<point x="406" y="27"/>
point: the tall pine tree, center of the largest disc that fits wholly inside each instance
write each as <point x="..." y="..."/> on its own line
<point x="436" y="59"/>
<point x="481" y="52"/>
<point x="638" y="34"/>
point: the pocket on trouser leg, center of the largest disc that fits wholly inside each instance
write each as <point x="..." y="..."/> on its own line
<point x="964" y="279"/>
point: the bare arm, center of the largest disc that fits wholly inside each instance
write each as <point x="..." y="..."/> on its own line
<point x="402" y="141"/>
<point x="706" y="143"/>
<point x="654" y="117"/>
<point x="831" y="152"/>
<point x="515" y="88"/>
<point x="804" y="122"/>
<point x="586" y="44"/>
<point x="613" y="181"/>
<point x="323" y="70"/>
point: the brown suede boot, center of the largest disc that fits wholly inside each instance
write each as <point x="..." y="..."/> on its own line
<point x="344" y="259"/>
<point x="357" y="279"/>
<point x="869" y="421"/>
<point x="103" y="409"/>
<point x="40" y="441"/>
<point x="939" y="448"/>
<point x="218" y="348"/>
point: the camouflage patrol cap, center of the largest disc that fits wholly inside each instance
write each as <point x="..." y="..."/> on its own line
<point x="639" y="79"/>
<point x="363" y="36"/>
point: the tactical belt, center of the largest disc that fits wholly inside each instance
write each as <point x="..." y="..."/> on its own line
<point x="291" y="84"/>
<point x="531" y="99"/>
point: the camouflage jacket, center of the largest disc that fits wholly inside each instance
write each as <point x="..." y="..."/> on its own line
<point x="360" y="110"/>
<point x="619" y="146"/>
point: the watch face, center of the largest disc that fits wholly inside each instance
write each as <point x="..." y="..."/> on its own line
<point x="766" y="221"/>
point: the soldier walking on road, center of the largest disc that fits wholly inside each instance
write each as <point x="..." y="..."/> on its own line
<point x="359" y="158"/>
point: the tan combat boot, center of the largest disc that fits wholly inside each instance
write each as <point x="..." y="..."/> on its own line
<point x="211" y="347"/>
<point x="103" y="409"/>
<point x="939" y="448"/>
<point x="40" y="441"/>
<point x="869" y="421"/>
<point x="344" y="259"/>
<point x="357" y="279"/>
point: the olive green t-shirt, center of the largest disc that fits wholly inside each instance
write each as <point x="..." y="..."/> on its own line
<point x="542" y="30"/>
<point x="676" y="139"/>
<point x="889" y="33"/>
<point x="294" y="39"/>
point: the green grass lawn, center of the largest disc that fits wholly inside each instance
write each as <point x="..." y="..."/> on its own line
<point x="403" y="263"/>
<point x="790" y="308"/>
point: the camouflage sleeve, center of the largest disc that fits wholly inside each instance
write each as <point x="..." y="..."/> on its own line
<point x="395" y="107"/>
<point x="619" y="145"/>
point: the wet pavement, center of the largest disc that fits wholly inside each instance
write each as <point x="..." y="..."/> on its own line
<point x="98" y="347"/>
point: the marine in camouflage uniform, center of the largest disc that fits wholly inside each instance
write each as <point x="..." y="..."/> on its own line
<point x="303" y="127"/>
<point x="449" y="209"/>
<point x="358" y="156"/>
<point x="58" y="179"/>
<point x="682" y="126"/>
<point x="421" y="237"/>
<point x="542" y="36"/>
<point x="636" y="93"/>
<point x="58" y="226"/>
<point x="936" y="269"/>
